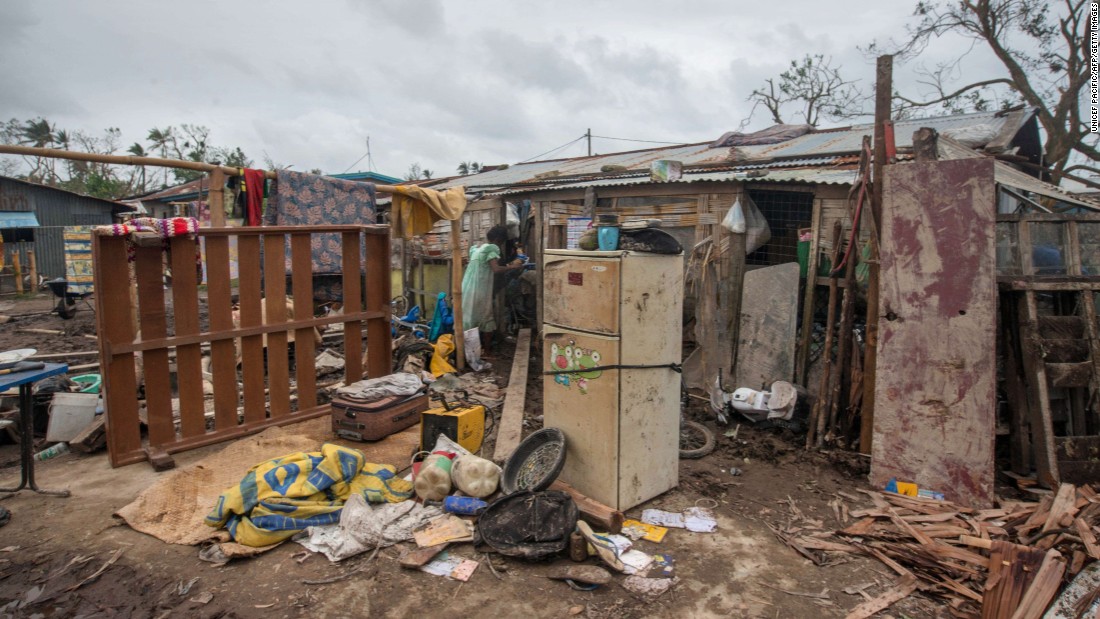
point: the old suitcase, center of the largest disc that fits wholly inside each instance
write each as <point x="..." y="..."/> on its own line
<point x="371" y="421"/>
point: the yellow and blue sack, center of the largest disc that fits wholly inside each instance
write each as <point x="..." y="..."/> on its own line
<point x="280" y="497"/>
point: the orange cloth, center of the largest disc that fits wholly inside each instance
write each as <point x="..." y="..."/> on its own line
<point x="416" y="209"/>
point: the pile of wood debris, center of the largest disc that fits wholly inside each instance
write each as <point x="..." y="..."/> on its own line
<point x="1005" y="562"/>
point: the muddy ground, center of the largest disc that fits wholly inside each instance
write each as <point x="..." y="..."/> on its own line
<point x="53" y="546"/>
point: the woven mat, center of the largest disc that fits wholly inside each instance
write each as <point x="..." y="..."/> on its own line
<point x="172" y="509"/>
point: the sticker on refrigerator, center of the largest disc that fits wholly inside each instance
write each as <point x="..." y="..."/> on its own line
<point x="573" y="365"/>
<point x="576" y="279"/>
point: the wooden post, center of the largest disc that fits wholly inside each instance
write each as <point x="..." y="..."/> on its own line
<point x="215" y="200"/>
<point x="17" y="270"/>
<point x="736" y="278"/>
<point x="33" y="264"/>
<point x="456" y="291"/>
<point x="883" y="94"/>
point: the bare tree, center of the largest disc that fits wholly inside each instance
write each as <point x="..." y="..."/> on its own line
<point x="1044" y="53"/>
<point x="813" y="88"/>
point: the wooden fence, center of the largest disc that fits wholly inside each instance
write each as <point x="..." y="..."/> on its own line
<point x="264" y="398"/>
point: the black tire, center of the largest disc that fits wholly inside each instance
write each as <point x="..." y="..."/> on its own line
<point x="696" y="440"/>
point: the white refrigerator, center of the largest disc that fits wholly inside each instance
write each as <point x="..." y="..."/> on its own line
<point x="611" y="332"/>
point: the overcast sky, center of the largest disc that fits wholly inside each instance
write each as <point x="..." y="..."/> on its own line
<point x="430" y="82"/>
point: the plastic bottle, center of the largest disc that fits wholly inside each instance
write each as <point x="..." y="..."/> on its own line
<point x="433" y="482"/>
<point x="53" y="451"/>
<point x="475" y="476"/>
<point x="461" y="505"/>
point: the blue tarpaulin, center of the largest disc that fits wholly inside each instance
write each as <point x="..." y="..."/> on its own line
<point x="18" y="219"/>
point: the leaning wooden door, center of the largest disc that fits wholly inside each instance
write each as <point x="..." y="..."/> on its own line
<point x="935" y="392"/>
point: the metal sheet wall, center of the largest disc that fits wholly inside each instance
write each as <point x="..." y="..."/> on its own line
<point x="54" y="209"/>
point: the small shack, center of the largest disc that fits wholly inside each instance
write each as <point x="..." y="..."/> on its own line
<point x="33" y="219"/>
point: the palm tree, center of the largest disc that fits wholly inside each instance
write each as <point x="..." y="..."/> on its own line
<point x="426" y="173"/>
<point x="40" y="134"/>
<point x="138" y="150"/>
<point x="161" y="139"/>
<point x="463" y="168"/>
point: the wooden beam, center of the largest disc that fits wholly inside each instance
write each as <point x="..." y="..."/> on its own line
<point x="884" y="76"/>
<point x="57" y="153"/>
<point x="511" y="418"/>
<point x="215" y="199"/>
<point x="456" y="292"/>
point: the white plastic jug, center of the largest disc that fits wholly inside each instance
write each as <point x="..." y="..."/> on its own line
<point x="476" y="477"/>
<point x="434" y="480"/>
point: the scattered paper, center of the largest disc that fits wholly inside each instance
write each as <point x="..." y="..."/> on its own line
<point x="635" y="529"/>
<point x="695" y="519"/>
<point x="662" y="518"/>
<point x="663" y="566"/>
<point x="700" y="520"/>
<point x="635" y="561"/>
<point x="448" y="528"/>
<point x="453" y="567"/>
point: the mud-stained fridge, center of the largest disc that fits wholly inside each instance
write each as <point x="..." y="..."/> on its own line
<point x="611" y="332"/>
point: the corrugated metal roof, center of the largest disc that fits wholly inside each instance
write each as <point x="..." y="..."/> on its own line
<point x="820" y="148"/>
<point x="1005" y="174"/>
<point x="822" y="176"/>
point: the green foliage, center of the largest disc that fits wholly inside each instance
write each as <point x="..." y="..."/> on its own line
<point x="186" y="142"/>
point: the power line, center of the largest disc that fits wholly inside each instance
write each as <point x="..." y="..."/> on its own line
<point x="554" y="149"/>
<point x="604" y="137"/>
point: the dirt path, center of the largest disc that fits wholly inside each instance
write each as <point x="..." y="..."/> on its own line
<point x="52" y="545"/>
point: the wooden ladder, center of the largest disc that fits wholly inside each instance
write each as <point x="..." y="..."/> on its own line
<point x="1058" y="357"/>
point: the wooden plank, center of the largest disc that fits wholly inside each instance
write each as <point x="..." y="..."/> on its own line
<point x="1018" y="401"/>
<point x="456" y="296"/>
<point x="905" y="586"/>
<point x="515" y="399"/>
<point x="1069" y="375"/>
<point x="935" y="397"/>
<point x="232" y="334"/>
<point x="1047" y="582"/>
<point x="379" y="343"/>
<point x="252" y="346"/>
<point x="592" y="511"/>
<point x="149" y="271"/>
<point x="242" y="430"/>
<point x="806" y="336"/>
<point x="305" y="348"/>
<point x="1038" y="392"/>
<point x="278" y="364"/>
<point x="185" y="312"/>
<point x="223" y="353"/>
<point x="216" y="198"/>
<point x="1066" y="350"/>
<point x="1088" y="306"/>
<point x="92" y="438"/>
<point x="113" y="318"/>
<point x="353" y="303"/>
<point x="274" y="230"/>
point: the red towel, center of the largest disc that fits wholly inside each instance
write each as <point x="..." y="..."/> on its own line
<point x="254" y="195"/>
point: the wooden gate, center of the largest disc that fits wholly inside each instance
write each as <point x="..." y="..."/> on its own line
<point x="176" y="334"/>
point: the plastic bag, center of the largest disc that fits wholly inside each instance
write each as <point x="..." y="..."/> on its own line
<point x="477" y="289"/>
<point x="747" y="218"/>
<point x="443" y="321"/>
<point x="512" y="220"/>
<point x="471" y="338"/>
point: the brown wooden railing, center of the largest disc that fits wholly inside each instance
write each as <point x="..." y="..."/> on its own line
<point x="264" y="399"/>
